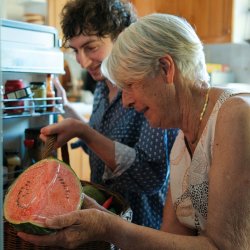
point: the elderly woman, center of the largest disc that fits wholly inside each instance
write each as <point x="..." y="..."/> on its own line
<point x="159" y="63"/>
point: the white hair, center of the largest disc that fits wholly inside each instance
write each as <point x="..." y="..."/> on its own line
<point x="137" y="50"/>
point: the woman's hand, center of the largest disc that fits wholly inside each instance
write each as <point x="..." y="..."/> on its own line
<point x="65" y="130"/>
<point x="60" y="91"/>
<point x="69" y="109"/>
<point x="73" y="229"/>
<point x="88" y="202"/>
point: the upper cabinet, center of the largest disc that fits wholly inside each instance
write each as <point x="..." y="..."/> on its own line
<point x="54" y="11"/>
<point x="212" y="19"/>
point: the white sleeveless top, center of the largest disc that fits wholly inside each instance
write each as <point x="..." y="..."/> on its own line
<point x="189" y="177"/>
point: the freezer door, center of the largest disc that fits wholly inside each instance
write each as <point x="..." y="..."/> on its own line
<point x="30" y="48"/>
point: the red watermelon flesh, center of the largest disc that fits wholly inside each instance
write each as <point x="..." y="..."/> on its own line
<point x="46" y="189"/>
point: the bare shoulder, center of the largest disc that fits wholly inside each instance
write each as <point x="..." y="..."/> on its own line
<point x="229" y="177"/>
<point x="234" y="113"/>
<point x="232" y="131"/>
<point x="236" y="102"/>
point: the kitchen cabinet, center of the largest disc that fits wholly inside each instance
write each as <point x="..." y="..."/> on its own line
<point x="212" y="19"/>
<point x="54" y="10"/>
<point x="79" y="160"/>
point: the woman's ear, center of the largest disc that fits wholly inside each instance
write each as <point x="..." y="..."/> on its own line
<point x="168" y="66"/>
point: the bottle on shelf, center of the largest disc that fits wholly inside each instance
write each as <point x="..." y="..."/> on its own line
<point x="39" y="91"/>
<point x="50" y="93"/>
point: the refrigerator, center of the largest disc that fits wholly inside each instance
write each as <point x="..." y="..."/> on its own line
<point x="29" y="52"/>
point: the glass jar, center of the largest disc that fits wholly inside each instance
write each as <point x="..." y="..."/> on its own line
<point x="39" y="91"/>
<point x="11" y="86"/>
<point x="13" y="164"/>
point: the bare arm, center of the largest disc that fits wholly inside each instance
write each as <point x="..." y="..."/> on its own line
<point x="91" y="224"/>
<point x="133" y="237"/>
<point x="170" y="222"/>
<point x="228" y="221"/>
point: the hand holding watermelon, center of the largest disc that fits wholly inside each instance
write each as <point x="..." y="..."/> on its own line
<point x="74" y="229"/>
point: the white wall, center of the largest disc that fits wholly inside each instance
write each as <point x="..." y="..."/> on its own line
<point x="236" y="55"/>
<point x="241" y="21"/>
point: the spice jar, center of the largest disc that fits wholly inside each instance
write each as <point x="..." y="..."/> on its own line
<point x="39" y="91"/>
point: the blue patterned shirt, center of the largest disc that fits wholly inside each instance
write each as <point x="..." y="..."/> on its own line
<point x="144" y="183"/>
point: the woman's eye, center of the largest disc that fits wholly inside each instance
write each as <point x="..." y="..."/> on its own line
<point x="91" y="48"/>
<point x="127" y="87"/>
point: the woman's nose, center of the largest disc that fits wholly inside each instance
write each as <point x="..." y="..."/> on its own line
<point x="84" y="60"/>
<point x="127" y="99"/>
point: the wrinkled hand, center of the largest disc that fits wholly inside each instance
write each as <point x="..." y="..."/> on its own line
<point x="65" y="130"/>
<point x="60" y="91"/>
<point x="88" y="202"/>
<point x="74" y="229"/>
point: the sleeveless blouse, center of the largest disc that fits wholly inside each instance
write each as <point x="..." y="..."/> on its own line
<point x="189" y="176"/>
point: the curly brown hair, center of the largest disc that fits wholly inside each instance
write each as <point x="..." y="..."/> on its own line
<point x="96" y="17"/>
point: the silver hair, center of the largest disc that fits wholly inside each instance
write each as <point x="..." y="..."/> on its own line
<point x="137" y="50"/>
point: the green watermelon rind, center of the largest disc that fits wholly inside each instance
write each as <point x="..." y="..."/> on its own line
<point x="94" y="193"/>
<point x="33" y="228"/>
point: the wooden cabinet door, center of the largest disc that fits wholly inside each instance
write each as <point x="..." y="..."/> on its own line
<point x="212" y="19"/>
<point x="54" y="11"/>
<point x="79" y="160"/>
<point x="144" y="7"/>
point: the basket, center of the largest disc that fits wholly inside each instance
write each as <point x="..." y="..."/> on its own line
<point x="13" y="242"/>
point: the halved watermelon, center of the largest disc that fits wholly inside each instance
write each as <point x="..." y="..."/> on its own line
<point x="48" y="188"/>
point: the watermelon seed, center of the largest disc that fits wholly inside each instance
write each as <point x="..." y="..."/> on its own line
<point x="24" y="191"/>
<point x="65" y="186"/>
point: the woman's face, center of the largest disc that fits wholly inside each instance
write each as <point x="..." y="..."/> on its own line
<point x="152" y="97"/>
<point x="90" y="51"/>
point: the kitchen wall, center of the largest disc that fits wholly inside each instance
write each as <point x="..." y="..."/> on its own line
<point x="236" y="55"/>
<point x="12" y="9"/>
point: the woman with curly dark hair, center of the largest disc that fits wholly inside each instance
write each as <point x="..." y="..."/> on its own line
<point x="126" y="154"/>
